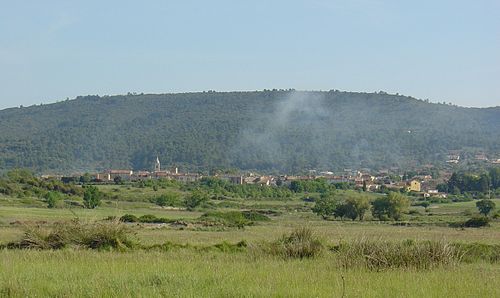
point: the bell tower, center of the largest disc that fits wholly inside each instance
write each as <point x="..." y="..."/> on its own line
<point x="157" y="165"/>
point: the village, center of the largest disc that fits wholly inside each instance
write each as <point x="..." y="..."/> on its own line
<point x="424" y="185"/>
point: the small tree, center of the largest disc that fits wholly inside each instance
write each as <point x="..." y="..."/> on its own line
<point x="118" y="180"/>
<point x="356" y="207"/>
<point x="485" y="206"/>
<point x="325" y="207"/>
<point x="196" y="198"/>
<point x="91" y="197"/>
<point x="391" y="206"/>
<point x="426" y="205"/>
<point x="168" y="199"/>
<point x="51" y="198"/>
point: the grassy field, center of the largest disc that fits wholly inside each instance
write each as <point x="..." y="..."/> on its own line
<point x="191" y="273"/>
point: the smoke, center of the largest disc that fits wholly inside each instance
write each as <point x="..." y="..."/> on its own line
<point x="287" y="132"/>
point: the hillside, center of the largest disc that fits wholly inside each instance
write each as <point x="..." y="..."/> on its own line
<point x="267" y="130"/>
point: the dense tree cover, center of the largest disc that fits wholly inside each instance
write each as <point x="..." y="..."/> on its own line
<point x="221" y="188"/>
<point x="317" y="185"/>
<point x="284" y="131"/>
<point x="22" y="183"/>
<point x="461" y="182"/>
<point x="342" y="206"/>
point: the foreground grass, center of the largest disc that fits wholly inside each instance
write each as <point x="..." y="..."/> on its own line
<point x="212" y="274"/>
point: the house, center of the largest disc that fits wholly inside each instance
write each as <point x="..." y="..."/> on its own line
<point x="414" y="185"/>
<point x="187" y="177"/>
<point x="110" y="175"/>
<point x="142" y="175"/>
<point x="235" y="179"/>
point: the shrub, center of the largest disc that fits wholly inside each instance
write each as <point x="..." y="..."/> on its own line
<point x="169" y="199"/>
<point x="485" y="206"/>
<point x="255" y="216"/>
<point x="129" y="218"/>
<point x="52" y="198"/>
<point x="300" y="243"/>
<point x="477" y="222"/>
<point x="91" y="197"/>
<point x="230" y="219"/>
<point x="196" y="199"/>
<point x="148" y="218"/>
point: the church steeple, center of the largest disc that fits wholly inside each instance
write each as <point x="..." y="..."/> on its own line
<point x="157" y="164"/>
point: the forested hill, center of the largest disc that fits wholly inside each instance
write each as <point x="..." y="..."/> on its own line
<point x="266" y="130"/>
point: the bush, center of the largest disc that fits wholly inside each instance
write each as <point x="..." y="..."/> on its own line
<point x="148" y="218"/>
<point x="169" y="199"/>
<point x="477" y="222"/>
<point x="129" y="218"/>
<point x="230" y="219"/>
<point x="91" y="197"/>
<point x="299" y="244"/>
<point x="52" y="198"/>
<point x="196" y="199"/>
<point x="255" y="216"/>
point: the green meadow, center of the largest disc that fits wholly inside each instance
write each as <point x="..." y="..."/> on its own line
<point x="186" y="257"/>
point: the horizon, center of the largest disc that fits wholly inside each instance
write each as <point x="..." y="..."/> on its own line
<point x="242" y="91"/>
<point x="56" y="50"/>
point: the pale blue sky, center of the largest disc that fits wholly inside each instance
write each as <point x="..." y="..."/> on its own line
<point x="440" y="50"/>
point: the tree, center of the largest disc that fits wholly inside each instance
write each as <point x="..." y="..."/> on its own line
<point x="485" y="206"/>
<point x="51" y="198"/>
<point x="391" y="206"/>
<point x="325" y="206"/>
<point x="196" y="198"/>
<point x="425" y="204"/>
<point x="357" y="206"/>
<point x="168" y="199"/>
<point x="91" y="197"/>
<point x="364" y="185"/>
<point x="118" y="180"/>
<point x="86" y="178"/>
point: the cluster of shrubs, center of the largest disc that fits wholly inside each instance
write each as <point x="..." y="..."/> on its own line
<point x="147" y="218"/>
<point x="238" y="219"/>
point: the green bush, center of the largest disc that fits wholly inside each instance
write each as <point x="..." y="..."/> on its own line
<point x="148" y="218"/>
<point x="230" y="219"/>
<point x="477" y="222"/>
<point x="299" y="244"/>
<point x="129" y="218"/>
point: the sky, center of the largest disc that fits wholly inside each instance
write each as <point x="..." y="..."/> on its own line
<point x="437" y="50"/>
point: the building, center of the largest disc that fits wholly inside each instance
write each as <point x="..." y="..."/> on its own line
<point x="112" y="174"/>
<point x="414" y="185"/>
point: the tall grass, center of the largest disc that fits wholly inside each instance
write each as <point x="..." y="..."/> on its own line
<point x="94" y="235"/>
<point x="188" y="273"/>
<point x="299" y="244"/>
<point x="381" y="255"/>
